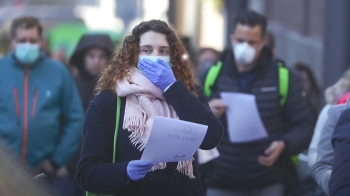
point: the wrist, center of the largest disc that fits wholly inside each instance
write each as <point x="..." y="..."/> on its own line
<point x="169" y="86"/>
<point x="281" y="142"/>
<point x="281" y="148"/>
<point x="128" y="179"/>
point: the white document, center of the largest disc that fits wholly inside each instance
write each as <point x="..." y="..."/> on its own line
<point x="173" y="140"/>
<point x="243" y="118"/>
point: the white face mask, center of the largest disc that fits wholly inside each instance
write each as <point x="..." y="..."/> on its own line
<point x="244" y="53"/>
<point x="155" y="58"/>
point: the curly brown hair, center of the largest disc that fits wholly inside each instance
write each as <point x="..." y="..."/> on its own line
<point x="127" y="56"/>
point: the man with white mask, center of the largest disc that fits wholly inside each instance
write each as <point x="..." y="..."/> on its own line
<point x="41" y="115"/>
<point x="259" y="167"/>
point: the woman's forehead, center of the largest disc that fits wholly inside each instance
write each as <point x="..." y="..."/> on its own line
<point x="153" y="39"/>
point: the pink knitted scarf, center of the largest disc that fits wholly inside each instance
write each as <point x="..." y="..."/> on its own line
<point x="144" y="101"/>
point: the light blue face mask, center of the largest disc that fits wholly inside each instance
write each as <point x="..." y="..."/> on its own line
<point x="27" y="53"/>
<point x="155" y="58"/>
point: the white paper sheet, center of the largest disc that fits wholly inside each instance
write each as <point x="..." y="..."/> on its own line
<point x="204" y="156"/>
<point x="173" y="140"/>
<point x="243" y="118"/>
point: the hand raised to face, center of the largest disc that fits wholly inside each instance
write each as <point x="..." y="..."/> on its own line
<point x="159" y="73"/>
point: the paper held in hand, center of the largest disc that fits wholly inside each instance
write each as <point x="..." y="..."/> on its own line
<point x="243" y="118"/>
<point x="204" y="156"/>
<point x="173" y="140"/>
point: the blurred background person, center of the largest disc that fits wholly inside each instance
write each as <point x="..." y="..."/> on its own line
<point x="270" y="42"/>
<point x="60" y="55"/>
<point x="311" y="87"/>
<point x="303" y="182"/>
<point x="322" y="169"/>
<point x="91" y="55"/>
<point x="191" y="54"/>
<point x="5" y="45"/>
<point x="206" y="58"/>
<point x="89" y="58"/>
<point x="335" y="94"/>
<point x="321" y="152"/>
<point x="36" y="93"/>
<point x="339" y="183"/>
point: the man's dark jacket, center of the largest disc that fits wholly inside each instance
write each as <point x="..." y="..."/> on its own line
<point x="237" y="167"/>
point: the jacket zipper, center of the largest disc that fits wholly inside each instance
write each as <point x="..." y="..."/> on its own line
<point x="36" y="93"/>
<point x="25" y="133"/>
<point x="18" y="107"/>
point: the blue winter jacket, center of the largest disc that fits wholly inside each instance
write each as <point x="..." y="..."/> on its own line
<point x="41" y="114"/>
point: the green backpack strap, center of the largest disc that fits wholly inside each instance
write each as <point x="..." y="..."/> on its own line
<point x="211" y="78"/>
<point x="284" y="89"/>
<point x="214" y="72"/>
<point x="283" y="82"/>
<point x="117" y="119"/>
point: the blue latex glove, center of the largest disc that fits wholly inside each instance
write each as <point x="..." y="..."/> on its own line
<point x="159" y="73"/>
<point x="138" y="169"/>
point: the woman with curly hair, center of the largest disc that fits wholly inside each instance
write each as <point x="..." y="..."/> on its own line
<point x="151" y="78"/>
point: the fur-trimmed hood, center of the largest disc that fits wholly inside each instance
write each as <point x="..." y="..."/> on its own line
<point x="334" y="92"/>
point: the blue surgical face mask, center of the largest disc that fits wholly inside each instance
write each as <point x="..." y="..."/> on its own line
<point x="27" y="53"/>
<point x="155" y="58"/>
